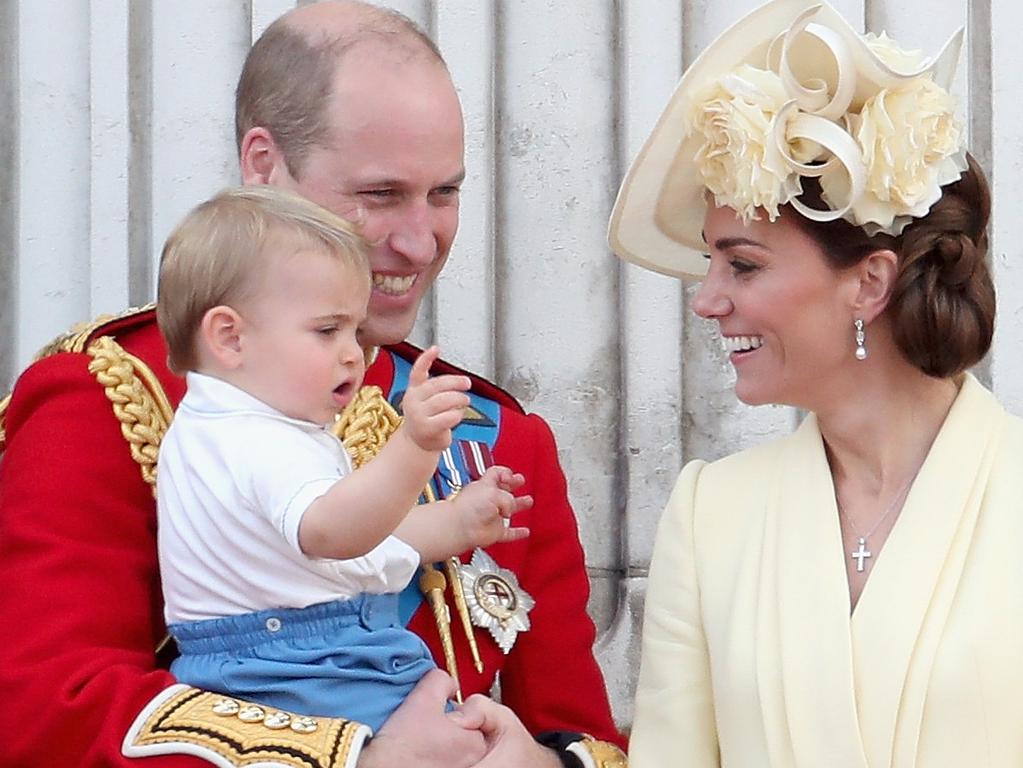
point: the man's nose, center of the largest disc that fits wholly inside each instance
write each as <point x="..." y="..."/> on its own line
<point x="414" y="237"/>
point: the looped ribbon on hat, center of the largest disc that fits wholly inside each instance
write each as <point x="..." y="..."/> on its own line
<point x="813" y="114"/>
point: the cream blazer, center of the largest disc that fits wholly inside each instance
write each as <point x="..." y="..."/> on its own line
<point x="750" y="657"/>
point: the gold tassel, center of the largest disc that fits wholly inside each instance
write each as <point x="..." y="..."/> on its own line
<point x="451" y="566"/>
<point x="431" y="583"/>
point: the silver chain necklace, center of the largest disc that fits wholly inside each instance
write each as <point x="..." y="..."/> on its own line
<point x="860" y="554"/>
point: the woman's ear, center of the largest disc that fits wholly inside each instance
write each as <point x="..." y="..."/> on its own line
<point x="220" y="334"/>
<point x="875" y="277"/>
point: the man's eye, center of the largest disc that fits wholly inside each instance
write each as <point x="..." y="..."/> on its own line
<point x="328" y="330"/>
<point x="446" y="191"/>
<point x="380" y="194"/>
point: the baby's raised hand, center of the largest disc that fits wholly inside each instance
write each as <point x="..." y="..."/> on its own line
<point x="433" y="407"/>
<point x="486" y="505"/>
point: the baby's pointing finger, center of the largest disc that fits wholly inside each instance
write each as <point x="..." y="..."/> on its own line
<point x="421" y="367"/>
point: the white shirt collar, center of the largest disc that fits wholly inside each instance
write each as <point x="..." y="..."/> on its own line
<point x="209" y="395"/>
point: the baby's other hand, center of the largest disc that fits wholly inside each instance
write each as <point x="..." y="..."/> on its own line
<point x="486" y="506"/>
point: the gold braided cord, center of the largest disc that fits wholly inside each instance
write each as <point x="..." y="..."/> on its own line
<point x="72" y="340"/>
<point x="366" y="424"/>
<point x="140" y="404"/>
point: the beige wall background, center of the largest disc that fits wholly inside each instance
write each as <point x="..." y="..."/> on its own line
<point x="117" y="120"/>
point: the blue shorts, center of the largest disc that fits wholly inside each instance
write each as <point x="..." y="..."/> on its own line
<point x="348" y="658"/>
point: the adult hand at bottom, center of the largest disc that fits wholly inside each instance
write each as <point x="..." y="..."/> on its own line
<point x="509" y="744"/>
<point x="420" y="733"/>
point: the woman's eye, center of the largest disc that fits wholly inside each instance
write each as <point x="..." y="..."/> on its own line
<point x="742" y="267"/>
<point x="327" y="331"/>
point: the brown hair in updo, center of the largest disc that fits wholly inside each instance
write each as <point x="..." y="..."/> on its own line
<point x="942" y="306"/>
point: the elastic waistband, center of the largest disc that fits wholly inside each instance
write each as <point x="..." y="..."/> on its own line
<point x="248" y="630"/>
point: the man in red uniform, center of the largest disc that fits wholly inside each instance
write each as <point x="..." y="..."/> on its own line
<point x="352" y="107"/>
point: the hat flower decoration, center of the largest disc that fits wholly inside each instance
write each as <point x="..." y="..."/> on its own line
<point x="792" y="92"/>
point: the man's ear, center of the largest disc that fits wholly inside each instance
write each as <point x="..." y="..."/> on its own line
<point x="875" y="276"/>
<point x="261" y="160"/>
<point x="220" y="332"/>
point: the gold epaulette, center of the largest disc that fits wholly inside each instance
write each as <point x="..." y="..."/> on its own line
<point x="72" y="340"/>
<point x="231" y="733"/>
<point x="75" y="339"/>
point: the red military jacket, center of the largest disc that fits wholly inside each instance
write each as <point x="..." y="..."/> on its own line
<point x="81" y="602"/>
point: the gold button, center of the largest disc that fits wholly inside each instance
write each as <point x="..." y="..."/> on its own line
<point x="251" y="714"/>
<point x="277" y="720"/>
<point x="303" y="725"/>
<point x="226" y="707"/>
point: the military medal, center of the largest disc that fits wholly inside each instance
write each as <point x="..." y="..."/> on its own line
<point x="496" y="601"/>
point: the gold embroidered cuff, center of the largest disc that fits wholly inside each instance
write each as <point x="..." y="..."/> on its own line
<point x="231" y="733"/>
<point x="598" y="754"/>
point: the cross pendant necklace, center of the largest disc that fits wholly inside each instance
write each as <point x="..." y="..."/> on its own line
<point x="859" y="554"/>
<point x="862" y="553"/>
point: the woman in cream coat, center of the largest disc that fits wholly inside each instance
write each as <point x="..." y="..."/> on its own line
<point x="850" y="595"/>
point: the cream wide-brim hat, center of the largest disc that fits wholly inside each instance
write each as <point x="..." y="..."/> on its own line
<point x="657" y="220"/>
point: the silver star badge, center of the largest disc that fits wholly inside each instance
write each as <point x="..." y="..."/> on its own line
<point x="496" y="601"/>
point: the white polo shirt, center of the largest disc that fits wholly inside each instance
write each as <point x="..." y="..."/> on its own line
<point x="234" y="478"/>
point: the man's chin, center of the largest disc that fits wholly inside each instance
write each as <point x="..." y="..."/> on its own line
<point x="390" y="331"/>
<point x="390" y="318"/>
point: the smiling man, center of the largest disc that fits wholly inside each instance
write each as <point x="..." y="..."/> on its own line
<point x="380" y="141"/>
<point x="352" y="107"/>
